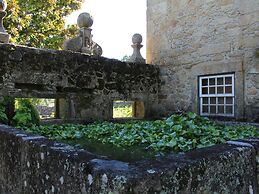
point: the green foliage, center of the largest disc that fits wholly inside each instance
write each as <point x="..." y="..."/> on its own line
<point x="42" y="102"/>
<point x="122" y="111"/>
<point x="40" y="24"/>
<point x="125" y="58"/>
<point x="177" y="133"/>
<point x="3" y="116"/>
<point x="5" y="113"/>
<point x="26" y="114"/>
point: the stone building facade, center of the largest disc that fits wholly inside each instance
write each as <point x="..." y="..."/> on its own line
<point x="208" y="54"/>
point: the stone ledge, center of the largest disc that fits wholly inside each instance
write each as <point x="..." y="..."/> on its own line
<point x="222" y="168"/>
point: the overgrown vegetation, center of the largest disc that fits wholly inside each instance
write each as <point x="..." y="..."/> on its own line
<point x="3" y="116"/>
<point x="5" y="112"/>
<point x="26" y="114"/>
<point x="123" y="111"/>
<point x="19" y="113"/>
<point x="181" y="132"/>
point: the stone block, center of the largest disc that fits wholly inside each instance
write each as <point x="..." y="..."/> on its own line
<point x="250" y="42"/>
<point x="4" y="37"/>
<point x="226" y="2"/>
<point x="209" y="49"/>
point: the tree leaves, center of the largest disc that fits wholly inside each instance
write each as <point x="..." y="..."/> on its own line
<point x="40" y="24"/>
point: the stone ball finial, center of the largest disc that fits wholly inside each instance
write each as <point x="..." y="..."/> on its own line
<point x="3" y="5"/>
<point x="85" y="20"/>
<point x="136" y="56"/>
<point x="137" y="39"/>
<point x="4" y="36"/>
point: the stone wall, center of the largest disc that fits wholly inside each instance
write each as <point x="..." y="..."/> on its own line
<point x="85" y="86"/>
<point x="34" y="164"/>
<point x="189" y="38"/>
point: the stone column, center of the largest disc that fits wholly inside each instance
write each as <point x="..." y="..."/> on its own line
<point x="136" y="56"/>
<point x="72" y="110"/>
<point x="4" y="36"/>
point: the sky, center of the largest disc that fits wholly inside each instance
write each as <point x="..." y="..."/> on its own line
<point x="115" y="22"/>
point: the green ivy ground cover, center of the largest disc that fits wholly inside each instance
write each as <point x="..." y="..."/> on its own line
<point x="177" y="133"/>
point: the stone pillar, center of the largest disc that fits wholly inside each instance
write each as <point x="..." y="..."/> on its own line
<point x="139" y="110"/>
<point x="83" y="42"/>
<point x="57" y="108"/>
<point x="71" y="106"/>
<point x="4" y="36"/>
<point x="257" y="52"/>
<point x="136" y="56"/>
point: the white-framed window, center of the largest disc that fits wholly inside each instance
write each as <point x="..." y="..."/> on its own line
<point x="217" y="97"/>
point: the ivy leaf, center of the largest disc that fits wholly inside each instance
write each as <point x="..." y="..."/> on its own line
<point x="177" y="133"/>
<point x="171" y="143"/>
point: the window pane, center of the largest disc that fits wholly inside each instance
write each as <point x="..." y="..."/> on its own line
<point x="212" y="109"/>
<point x="221" y="100"/>
<point x="229" y="100"/>
<point x="217" y="95"/>
<point x="221" y="109"/>
<point x="220" y="81"/>
<point x="212" y="81"/>
<point x="220" y="90"/>
<point x="228" y="80"/>
<point x="229" y="110"/>
<point x="212" y="90"/>
<point x="228" y="90"/>
<point x="205" y="100"/>
<point x="204" y="90"/>
<point x="213" y="100"/>
<point x="204" y="82"/>
<point x="205" y="109"/>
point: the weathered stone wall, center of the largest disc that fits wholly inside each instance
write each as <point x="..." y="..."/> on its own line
<point x="86" y="86"/>
<point x="34" y="164"/>
<point x="188" y="38"/>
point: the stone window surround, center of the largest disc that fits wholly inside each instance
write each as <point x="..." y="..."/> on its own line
<point x="216" y="95"/>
